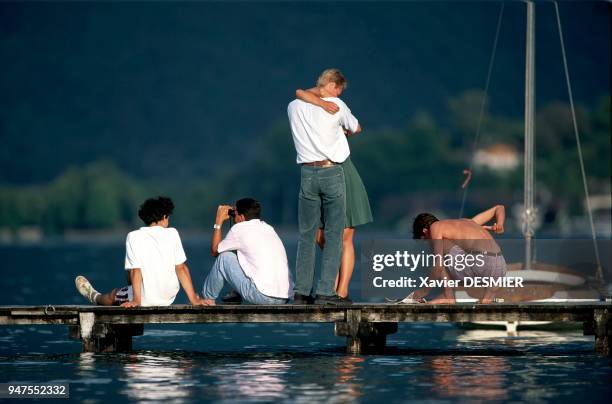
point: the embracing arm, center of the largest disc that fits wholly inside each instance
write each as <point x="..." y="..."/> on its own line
<point x="349" y="133"/>
<point x="313" y="96"/>
<point x="498" y="212"/>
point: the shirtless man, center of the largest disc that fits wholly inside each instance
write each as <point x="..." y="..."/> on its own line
<point x="460" y="237"/>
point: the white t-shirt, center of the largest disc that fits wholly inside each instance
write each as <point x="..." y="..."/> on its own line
<point x="317" y="134"/>
<point x="156" y="251"/>
<point x="261" y="255"/>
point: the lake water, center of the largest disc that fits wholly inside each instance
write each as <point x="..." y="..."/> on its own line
<point x="272" y="362"/>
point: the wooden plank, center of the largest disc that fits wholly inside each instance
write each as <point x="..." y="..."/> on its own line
<point x="4" y="320"/>
<point x="14" y="315"/>
<point x="219" y="317"/>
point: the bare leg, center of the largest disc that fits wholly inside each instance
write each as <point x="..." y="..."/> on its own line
<point x="347" y="264"/>
<point x="320" y="238"/>
<point x="88" y="292"/>
<point x="488" y="296"/>
<point x="106" y="299"/>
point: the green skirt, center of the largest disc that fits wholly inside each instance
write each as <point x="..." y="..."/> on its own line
<point x="358" y="210"/>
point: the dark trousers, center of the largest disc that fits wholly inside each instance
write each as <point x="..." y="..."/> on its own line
<point x="322" y="190"/>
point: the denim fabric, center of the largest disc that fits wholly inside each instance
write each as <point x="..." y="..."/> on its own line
<point x="321" y="190"/>
<point x="227" y="269"/>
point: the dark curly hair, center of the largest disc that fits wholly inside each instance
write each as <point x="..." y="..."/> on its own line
<point x="422" y="221"/>
<point x="155" y="209"/>
<point x="249" y="207"/>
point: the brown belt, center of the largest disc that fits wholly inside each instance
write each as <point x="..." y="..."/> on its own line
<point x="322" y="163"/>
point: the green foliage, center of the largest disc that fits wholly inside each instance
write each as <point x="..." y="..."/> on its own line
<point x="422" y="158"/>
<point x="98" y="196"/>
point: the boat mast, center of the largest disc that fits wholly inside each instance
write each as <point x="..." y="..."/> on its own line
<point x="529" y="210"/>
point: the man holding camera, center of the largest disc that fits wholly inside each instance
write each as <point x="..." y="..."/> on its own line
<point x="251" y="258"/>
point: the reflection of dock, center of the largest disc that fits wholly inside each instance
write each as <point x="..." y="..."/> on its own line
<point x="365" y="326"/>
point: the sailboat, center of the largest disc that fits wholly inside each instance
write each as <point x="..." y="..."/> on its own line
<point x="543" y="282"/>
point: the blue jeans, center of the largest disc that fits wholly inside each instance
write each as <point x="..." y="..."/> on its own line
<point x="227" y="269"/>
<point x="322" y="190"/>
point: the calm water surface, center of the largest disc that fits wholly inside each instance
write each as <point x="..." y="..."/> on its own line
<point x="272" y="362"/>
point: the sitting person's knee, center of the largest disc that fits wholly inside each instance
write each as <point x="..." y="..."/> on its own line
<point x="227" y="256"/>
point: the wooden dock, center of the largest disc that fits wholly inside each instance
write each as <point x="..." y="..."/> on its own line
<point x="365" y="326"/>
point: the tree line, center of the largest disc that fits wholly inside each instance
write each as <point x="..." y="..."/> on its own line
<point x="419" y="165"/>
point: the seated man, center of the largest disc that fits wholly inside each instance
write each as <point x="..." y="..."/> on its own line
<point x="455" y="237"/>
<point x="155" y="260"/>
<point x="251" y="258"/>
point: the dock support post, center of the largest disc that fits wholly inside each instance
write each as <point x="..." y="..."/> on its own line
<point x="104" y="337"/>
<point x="602" y="328"/>
<point x="363" y="336"/>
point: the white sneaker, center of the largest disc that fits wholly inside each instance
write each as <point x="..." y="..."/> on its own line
<point x="85" y="289"/>
<point x="411" y="300"/>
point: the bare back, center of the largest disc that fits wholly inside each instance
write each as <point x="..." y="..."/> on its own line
<point x="466" y="233"/>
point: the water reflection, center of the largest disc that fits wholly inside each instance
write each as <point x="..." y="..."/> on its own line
<point x="157" y="377"/>
<point x="475" y="377"/>
<point x="348" y="384"/>
<point x="254" y="379"/>
<point x="437" y="363"/>
<point x="523" y="340"/>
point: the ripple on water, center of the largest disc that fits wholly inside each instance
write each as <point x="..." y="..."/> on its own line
<point x="166" y="333"/>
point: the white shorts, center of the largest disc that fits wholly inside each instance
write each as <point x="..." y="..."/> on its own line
<point x="123" y="295"/>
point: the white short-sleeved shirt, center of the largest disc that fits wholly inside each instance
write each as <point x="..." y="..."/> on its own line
<point x="261" y="255"/>
<point x="156" y="251"/>
<point x="317" y="134"/>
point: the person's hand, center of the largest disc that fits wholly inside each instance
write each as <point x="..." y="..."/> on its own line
<point x="330" y="107"/>
<point x="223" y="213"/>
<point x="495" y="228"/>
<point x="198" y="300"/>
<point x="131" y="303"/>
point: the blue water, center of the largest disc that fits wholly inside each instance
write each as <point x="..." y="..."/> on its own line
<point x="278" y="362"/>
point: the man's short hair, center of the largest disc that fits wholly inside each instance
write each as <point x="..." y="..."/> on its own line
<point x="249" y="207"/>
<point x="332" y="76"/>
<point x="422" y="221"/>
<point x="155" y="209"/>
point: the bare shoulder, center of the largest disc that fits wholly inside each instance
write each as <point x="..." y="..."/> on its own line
<point x="441" y="226"/>
<point x="453" y="228"/>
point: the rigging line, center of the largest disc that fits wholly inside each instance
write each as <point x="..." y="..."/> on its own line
<point x="579" y="147"/>
<point x="482" y="105"/>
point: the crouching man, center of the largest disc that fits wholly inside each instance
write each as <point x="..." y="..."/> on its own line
<point x="458" y="238"/>
<point x="155" y="260"/>
<point x="251" y="258"/>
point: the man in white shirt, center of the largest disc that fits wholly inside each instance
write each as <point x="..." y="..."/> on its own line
<point x="321" y="145"/>
<point x="251" y="258"/>
<point x="155" y="261"/>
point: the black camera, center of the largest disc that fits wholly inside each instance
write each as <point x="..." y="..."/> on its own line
<point x="231" y="213"/>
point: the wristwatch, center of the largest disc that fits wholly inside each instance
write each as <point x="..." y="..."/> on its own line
<point x="216" y="226"/>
